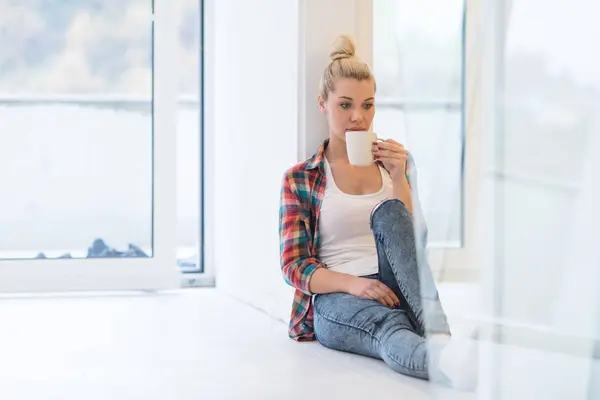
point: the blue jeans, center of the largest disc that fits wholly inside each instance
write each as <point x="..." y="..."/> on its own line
<point x="366" y="327"/>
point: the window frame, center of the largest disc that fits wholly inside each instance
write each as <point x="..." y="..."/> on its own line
<point x="431" y="104"/>
<point x="202" y="274"/>
<point x="159" y="271"/>
<point x="450" y="262"/>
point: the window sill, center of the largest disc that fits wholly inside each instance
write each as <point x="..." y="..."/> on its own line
<point x="197" y="280"/>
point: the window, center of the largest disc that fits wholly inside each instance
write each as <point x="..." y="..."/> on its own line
<point x="85" y="117"/>
<point x="541" y="93"/>
<point x="77" y="109"/>
<point x="418" y="63"/>
<point x="548" y="123"/>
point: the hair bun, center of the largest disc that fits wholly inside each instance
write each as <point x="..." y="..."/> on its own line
<point x="343" y="47"/>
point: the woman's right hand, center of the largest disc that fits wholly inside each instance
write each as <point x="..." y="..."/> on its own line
<point x="373" y="289"/>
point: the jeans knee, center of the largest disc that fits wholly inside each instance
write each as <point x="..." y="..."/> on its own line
<point x="391" y="214"/>
<point x="408" y="361"/>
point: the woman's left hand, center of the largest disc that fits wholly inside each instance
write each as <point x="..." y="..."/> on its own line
<point x="393" y="155"/>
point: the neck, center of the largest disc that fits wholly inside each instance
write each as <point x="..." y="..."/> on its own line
<point x="336" y="150"/>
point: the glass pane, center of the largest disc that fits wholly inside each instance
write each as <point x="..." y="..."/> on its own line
<point x="417" y="52"/>
<point x="418" y="66"/>
<point x="189" y="136"/>
<point x="428" y="136"/>
<point x="76" y="137"/>
<point x="547" y="196"/>
<point x="552" y="95"/>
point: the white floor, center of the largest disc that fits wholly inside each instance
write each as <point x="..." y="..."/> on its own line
<point x="189" y="345"/>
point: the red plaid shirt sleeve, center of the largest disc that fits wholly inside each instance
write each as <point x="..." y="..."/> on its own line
<point x="296" y="237"/>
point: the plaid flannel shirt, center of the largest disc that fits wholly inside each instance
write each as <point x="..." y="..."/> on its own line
<point x="302" y="193"/>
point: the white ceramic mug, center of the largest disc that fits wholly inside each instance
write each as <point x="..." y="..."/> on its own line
<point x="359" y="145"/>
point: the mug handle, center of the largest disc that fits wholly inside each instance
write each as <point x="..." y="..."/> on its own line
<point x="377" y="139"/>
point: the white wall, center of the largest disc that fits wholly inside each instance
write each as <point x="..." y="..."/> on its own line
<point x="321" y="22"/>
<point x="259" y="90"/>
<point x="255" y="113"/>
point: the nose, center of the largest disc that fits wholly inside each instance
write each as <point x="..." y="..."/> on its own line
<point x="357" y="116"/>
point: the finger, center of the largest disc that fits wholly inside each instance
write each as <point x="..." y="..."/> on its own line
<point x="391" y="159"/>
<point x="377" y="295"/>
<point x="393" y="141"/>
<point x="374" y="295"/>
<point x="390" y="153"/>
<point x="393" y="296"/>
<point x="389" y="300"/>
<point x="384" y="297"/>
<point x="383" y="300"/>
<point x="390" y="144"/>
<point x="397" y="150"/>
<point x="389" y="292"/>
<point x="389" y="162"/>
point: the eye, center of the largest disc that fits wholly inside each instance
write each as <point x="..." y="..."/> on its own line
<point x="368" y="106"/>
<point x="345" y="106"/>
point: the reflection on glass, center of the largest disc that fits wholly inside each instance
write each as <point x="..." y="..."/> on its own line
<point x="552" y="95"/>
<point x="546" y="195"/>
<point x="76" y="137"/>
<point x="418" y="65"/>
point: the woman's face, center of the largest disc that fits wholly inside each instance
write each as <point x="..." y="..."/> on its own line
<point x="350" y="106"/>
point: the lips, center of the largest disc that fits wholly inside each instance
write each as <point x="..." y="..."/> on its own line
<point x="356" y="129"/>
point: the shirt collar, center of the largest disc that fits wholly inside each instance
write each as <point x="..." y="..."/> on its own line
<point x="318" y="159"/>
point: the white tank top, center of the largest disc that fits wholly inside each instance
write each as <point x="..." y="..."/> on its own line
<point x="347" y="244"/>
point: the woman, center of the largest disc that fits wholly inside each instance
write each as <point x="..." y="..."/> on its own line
<point x="348" y="243"/>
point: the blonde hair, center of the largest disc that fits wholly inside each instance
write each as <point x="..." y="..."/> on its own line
<point x="343" y="64"/>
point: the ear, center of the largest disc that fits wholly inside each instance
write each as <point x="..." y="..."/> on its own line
<point x="322" y="105"/>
